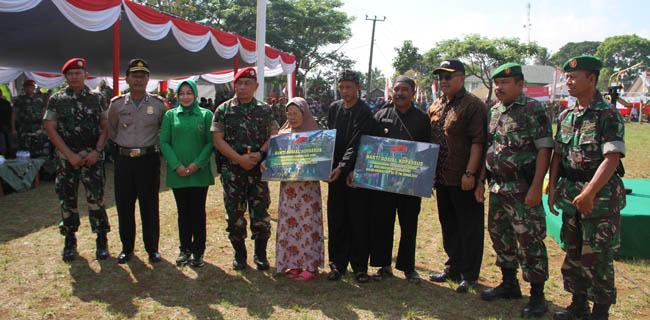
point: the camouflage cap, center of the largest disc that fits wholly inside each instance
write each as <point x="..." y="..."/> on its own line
<point x="510" y="69"/>
<point x="348" y="75"/>
<point x="583" y="63"/>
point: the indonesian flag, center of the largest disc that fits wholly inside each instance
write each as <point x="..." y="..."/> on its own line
<point x="284" y="91"/>
<point x="434" y="90"/>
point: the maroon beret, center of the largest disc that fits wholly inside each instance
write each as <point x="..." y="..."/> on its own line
<point x="74" y="63"/>
<point x="248" y="72"/>
<point x="29" y="83"/>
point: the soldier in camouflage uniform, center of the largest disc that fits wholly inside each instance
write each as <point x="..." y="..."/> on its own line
<point x="241" y="129"/>
<point x="519" y="143"/>
<point x="28" y="113"/>
<point x="75" y="122"/>
<point x="588" y="146"/>
<point x="278" y="112"/>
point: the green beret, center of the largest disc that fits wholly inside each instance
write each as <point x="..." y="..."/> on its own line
<point x="507" y="70"/>
<point x="583" y="63"/>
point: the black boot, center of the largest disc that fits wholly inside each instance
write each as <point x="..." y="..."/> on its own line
<point x="508" y="289"/>
<point x="183" y="257"/>
<point x="536" y="306"/>
<point x="102" y="246"/>
<point x="260" y="254"/>
<point x="70" y="248"/>
<point x="240" y="255"/>
<point x="600" y="312"/>
<point x="578" y="309"/>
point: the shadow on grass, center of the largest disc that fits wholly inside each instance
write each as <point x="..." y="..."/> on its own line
<point x="263" y="294"/>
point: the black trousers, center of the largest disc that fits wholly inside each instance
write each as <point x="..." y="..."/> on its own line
<point x="190" y="203"/>
<point x="138" y="178"/>
<point x="462" y="222"/>
<point x="382" y="224"/>
<point x="348" y="226"/>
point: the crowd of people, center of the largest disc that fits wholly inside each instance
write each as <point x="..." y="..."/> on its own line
<point x="505" y="149"/>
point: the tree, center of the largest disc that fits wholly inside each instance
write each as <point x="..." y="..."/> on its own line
<point x="299" y="27"/>
<point x="573" y="49"/>
<point x="543" y="58"/>
<point x="377" y="79"/>
<point x="481" y="55"/>
<point x="620" y="52"/>
<point x="407" y="57"/>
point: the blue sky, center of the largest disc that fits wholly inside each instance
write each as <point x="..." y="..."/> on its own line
<point x="554" y="23"/>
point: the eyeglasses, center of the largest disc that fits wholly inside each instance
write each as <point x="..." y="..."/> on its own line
<point x="448" y="76"/>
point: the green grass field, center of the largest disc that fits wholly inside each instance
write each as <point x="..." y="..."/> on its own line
<point x="38" y="285"/>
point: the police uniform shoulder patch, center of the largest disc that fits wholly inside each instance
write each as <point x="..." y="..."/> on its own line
<point x="163" y="100"/>
<point x="115" y="98"/>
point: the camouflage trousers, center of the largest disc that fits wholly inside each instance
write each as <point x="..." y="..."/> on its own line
<point x="590" y="242"/>
<point x="66" y="186"/>
<point x="242" y="188"/>
<point x="517" y="234"/>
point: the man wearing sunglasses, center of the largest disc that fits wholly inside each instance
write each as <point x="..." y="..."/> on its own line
<point x="458" y="125"/>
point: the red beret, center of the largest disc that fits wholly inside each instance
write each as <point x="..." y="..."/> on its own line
<point x="248" y="72"/>
<point x="74" y="63"/>
<point x="29" y="83"/>
<point x="281" y="99"/>
<point x="272" y="99"/>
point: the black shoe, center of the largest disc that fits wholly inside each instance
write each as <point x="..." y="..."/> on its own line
<point x="69" y="248"/>
<point x="465" y="285"/>
<point x="124" y="257"/>
<point x="197" y="261"/>
<point x="578" y="309"/>
<point x="183" y="258"/>
<point x="599" y="312"/>
<point x="444" y="276"/>
<point x="239" y="263"/>
<point x="535" y="308"/>
<point x="260" y="259"/>
<point x="506" y="290"/>
<point x="102" y="246"/>
<point x="154" y="257"/>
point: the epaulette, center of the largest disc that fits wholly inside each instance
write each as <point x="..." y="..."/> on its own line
<point x="117" y="97"/>
<point x="163" y="100"/>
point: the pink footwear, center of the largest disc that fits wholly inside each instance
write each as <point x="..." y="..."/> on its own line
<point x="292" y="273"/>
<point x="307" y="275"/>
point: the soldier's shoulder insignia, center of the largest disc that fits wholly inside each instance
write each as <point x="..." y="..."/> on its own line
<point x="163" y="100"/>
<point x="115" y="98"/>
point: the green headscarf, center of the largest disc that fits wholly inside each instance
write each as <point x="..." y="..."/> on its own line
<point x="196" y="94"/>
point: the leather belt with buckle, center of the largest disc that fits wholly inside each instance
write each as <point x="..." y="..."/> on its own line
<point x="137" y="152"/>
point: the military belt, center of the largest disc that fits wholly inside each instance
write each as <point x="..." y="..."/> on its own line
<point x="578" y="175"/>
<point x="137" y="152"/>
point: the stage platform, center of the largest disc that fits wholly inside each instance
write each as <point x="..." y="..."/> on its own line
<point x="635" y="221"/>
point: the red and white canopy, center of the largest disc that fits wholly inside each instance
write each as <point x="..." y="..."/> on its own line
<point x="42" y="35"/>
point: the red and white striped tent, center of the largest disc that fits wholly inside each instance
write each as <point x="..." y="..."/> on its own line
<point x="38" y="36"/>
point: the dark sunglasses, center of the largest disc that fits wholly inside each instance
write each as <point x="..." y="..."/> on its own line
<point x="448" y="76"/>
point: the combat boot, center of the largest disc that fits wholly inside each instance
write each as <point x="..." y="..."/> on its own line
<point x="508" y="289"/>
<point x="600" y="312"/>
<point x="102" y="246"/>
<point x="70" y="248"/>
<point x="240" y="255"/>
<point x="578" y="309"/>
<point x="260" y="254"/>
<point x="536" y="306"/>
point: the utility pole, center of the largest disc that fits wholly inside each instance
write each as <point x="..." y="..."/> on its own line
<point x="372" y="43"/>
<point x="528" y="25"/>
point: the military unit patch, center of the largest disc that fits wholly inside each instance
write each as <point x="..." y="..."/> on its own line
<point x="573" y="63"/>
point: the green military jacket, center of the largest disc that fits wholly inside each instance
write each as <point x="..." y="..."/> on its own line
<point x="244" y="125"/>
<point x="29" y="114"/>
<point x="78" y="116"/>
<point x="583" y="139"/>
<point x="515" y="134"/>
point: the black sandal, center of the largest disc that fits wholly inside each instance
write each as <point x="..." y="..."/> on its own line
<point x="413" y="277"/>
<point x="362" y="277"/>
<point x="334" y="275"/>
<point x="383" y="272"/>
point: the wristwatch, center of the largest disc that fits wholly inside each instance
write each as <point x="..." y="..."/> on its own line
<point x="469" y="174"/>
<point x="99" y="149"/>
